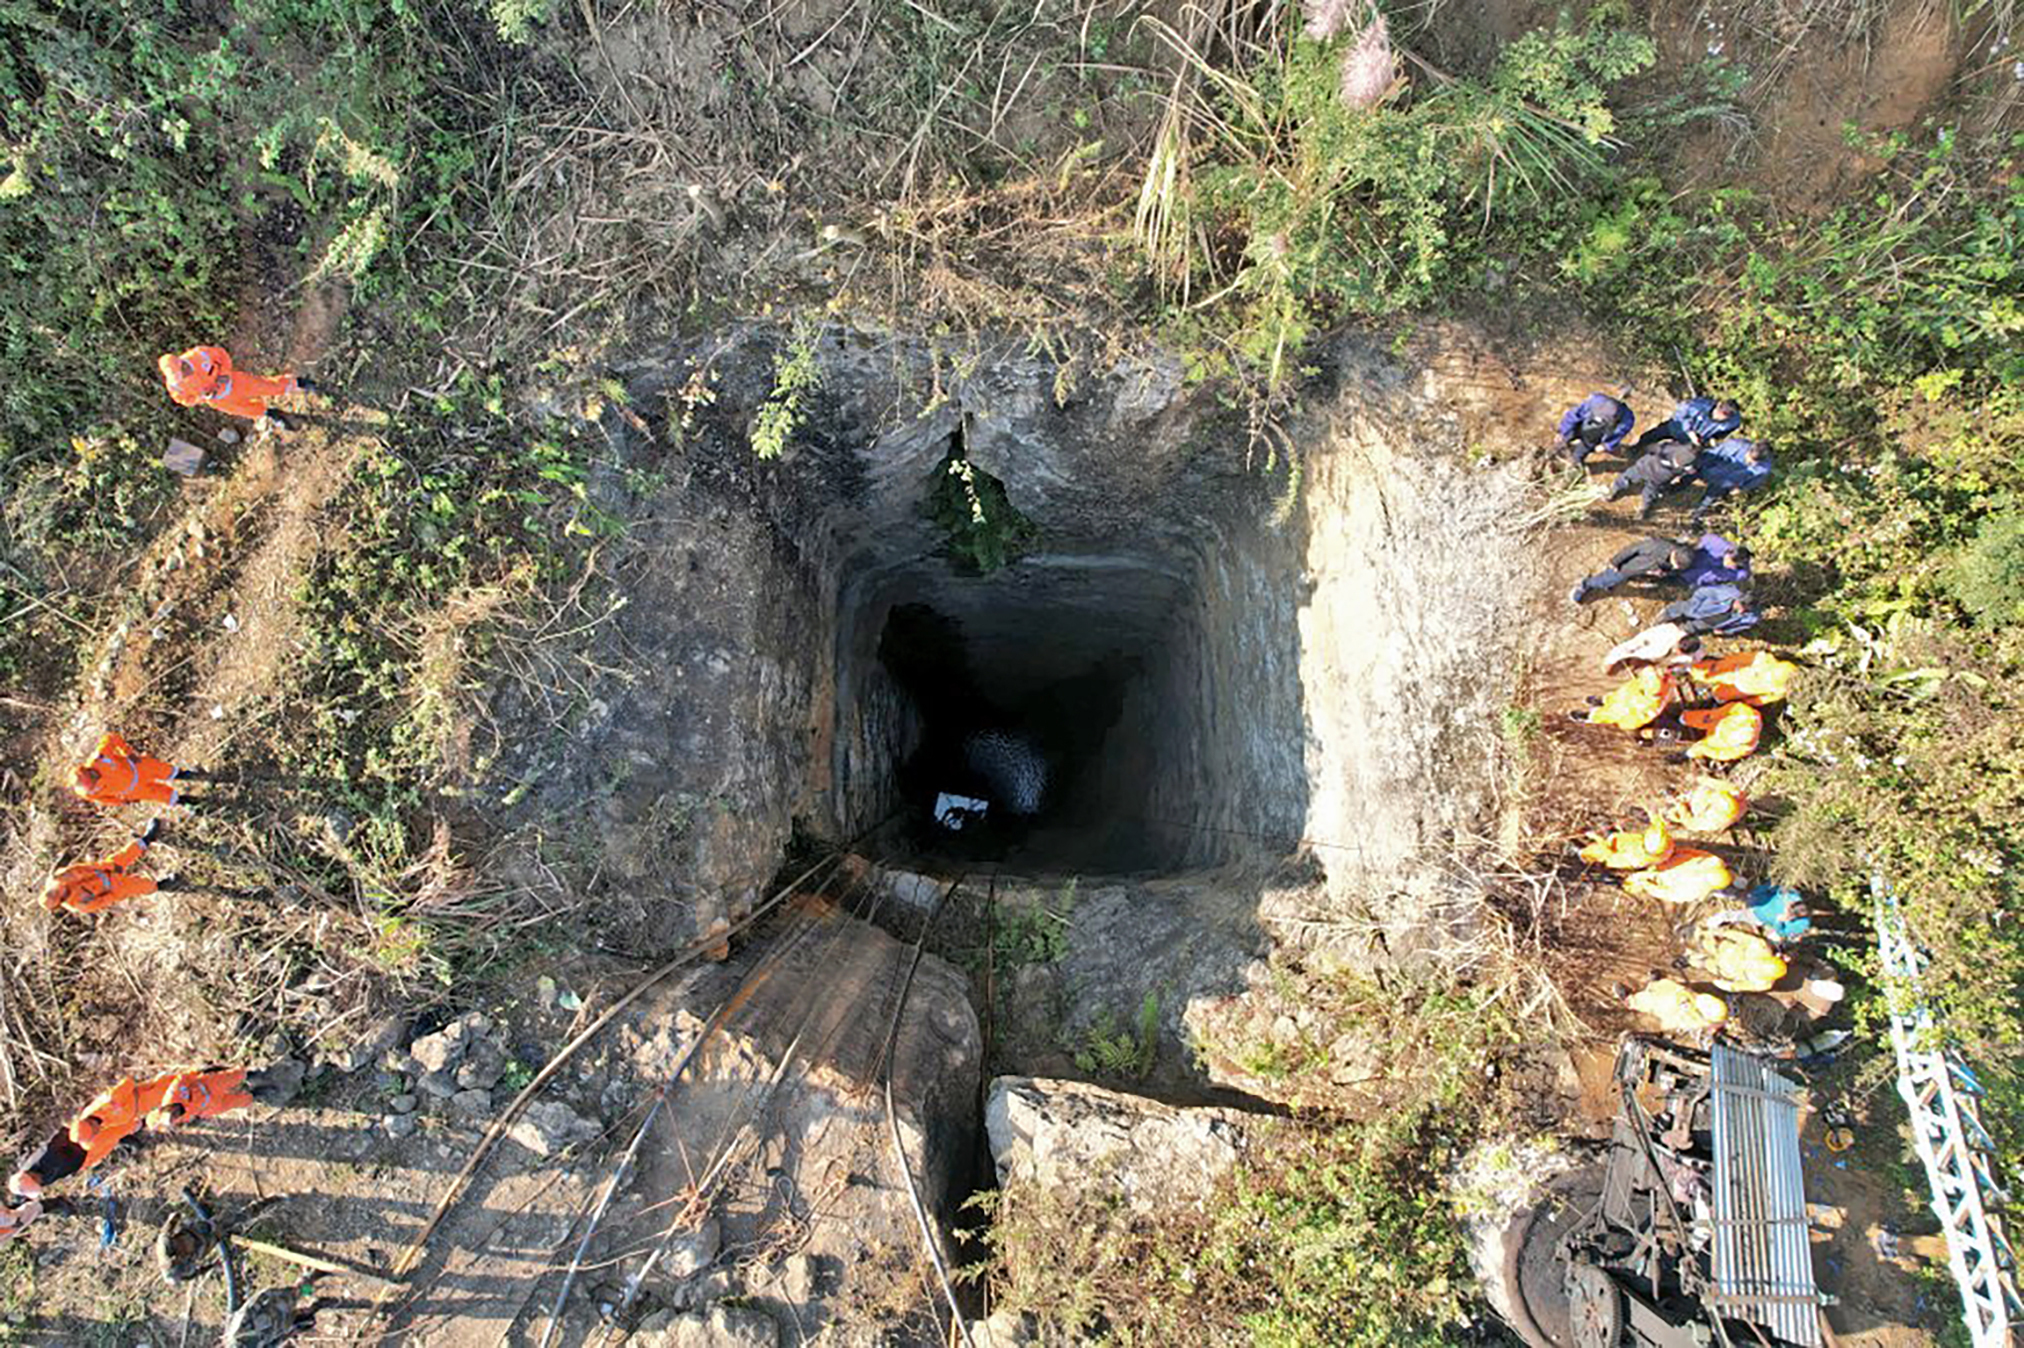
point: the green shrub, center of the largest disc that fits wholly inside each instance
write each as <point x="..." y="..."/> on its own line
<point x="516" y="19"/>
<point x="1988" y="577"/>
<point x="1300" y="208"/>
<point x="984" y="531"/>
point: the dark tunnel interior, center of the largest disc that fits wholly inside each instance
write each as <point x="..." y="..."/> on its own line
<point x="1042" y="741"/>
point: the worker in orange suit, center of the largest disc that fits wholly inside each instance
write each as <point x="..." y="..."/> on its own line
<point x="119" y="774"/>
<point x="204" y="374"/>
<point x="1711" y="805"/>
<point x="1687" y="876"/>
<point x="117" y="1115"/>
<point x="1756" y="677"/>
<point x="1632" y="704"/>
<point x="96" y="887"/>
<point x="201" y="1095"/>
<point x="1728" y="732"/>
<point x="1631" y="849"/>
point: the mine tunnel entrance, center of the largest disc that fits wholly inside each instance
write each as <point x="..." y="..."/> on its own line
<point x="1021" y="753"/>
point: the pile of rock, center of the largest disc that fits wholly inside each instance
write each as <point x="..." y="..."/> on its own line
<point x="458" y="1065"/>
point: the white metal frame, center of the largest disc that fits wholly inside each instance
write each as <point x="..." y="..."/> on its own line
<point x="1947" y="1129"/>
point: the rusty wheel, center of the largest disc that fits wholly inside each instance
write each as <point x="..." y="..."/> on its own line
<point x="1594" y="1307"/>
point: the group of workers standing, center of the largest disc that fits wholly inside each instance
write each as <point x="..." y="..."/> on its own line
<point x="1707" y="709"/>
<point x="116" y="775"/>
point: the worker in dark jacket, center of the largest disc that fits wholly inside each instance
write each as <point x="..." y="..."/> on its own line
<point x="1720" y="609"/>
<point x="1654" y="475"/>
<point x="1646" y="559"/>
<point x="1698" y="421"/>
<point x="1732" y="465"/>
<point x="1717" y="561"/>
<point x="1597" y="422"/>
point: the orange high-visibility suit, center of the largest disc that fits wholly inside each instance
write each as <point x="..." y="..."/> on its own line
<point x="1635" y="702"/>
<point x="201" y="1095"/>
<point x="119" y="774"/>
<point x="115" y="1116"/>
<point x="1738" y="960"/>
<point x="97" y="887"/>
<point x="1678" y="1008"/>
<point x="1755" y="677"/>
<point x="1729" y="732"/>
<point x="1630" y="849"/>
<point x="1687" y="876"/>
<point x="204" y="374"/>
<point x="1709" y="807"/>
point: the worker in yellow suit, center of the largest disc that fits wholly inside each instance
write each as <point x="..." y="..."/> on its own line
<point x="1632" y="704"/>
<point x="1756" y="677"/>
<point x="1631" y="849"/>
<point x="1709" y="806"/>
<point x="1687" y="876"/>
<point x="1678" y="1008"/>
<point x="1728" y="732"/>
<point x="1737" y="960"/>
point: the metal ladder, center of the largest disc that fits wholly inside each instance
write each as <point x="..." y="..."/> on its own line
<point x="1947" y="1128"/>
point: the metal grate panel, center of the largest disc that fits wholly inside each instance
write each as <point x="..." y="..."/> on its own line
<point x="1760" y="1254"/>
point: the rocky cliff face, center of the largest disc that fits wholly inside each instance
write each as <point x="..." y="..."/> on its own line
<point x="1282" y="660"/>
<point x="1264" y="671"/>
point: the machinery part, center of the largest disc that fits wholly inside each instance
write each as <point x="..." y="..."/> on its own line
<point x="1594" y="1307"/>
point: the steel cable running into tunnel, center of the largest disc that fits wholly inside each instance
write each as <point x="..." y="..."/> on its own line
<point x="401" y="1293"/>
<point x="740" y="1129"/>
<point x="806" y="920"/>
<point x="893" y="1119"/>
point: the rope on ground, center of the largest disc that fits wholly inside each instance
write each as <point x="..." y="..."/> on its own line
<point x="726" y="1148"/>
<point x="893" y="1121"/>
<point x="731" y="1004"/>
<point x="412" y="1256"/>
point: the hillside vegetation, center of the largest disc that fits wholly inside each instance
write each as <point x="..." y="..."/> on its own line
<point x="174" y="170"/>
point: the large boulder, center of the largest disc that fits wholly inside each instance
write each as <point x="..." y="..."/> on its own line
<point x="1068" y="1134"/>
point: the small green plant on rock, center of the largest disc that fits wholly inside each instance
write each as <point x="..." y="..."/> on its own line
<point x="985" y="531"/>
<point x="796" y="376"/>
<point x="1110" y="1050"/>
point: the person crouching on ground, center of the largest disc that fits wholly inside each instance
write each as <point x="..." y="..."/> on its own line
<point x="1712" y="610"/>
<point x="1632" y="704"/>
<point x="1631" y="849"/>
<point x="1647" y="559"/>
<point x="1677" y="1008"/>
<point x="1655" y="474"/>
<point x="1735" y="465"/>
<point x="1711" y="805"/>
<point x="1699" y="422"/>
<point x="1596" y="423"/>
